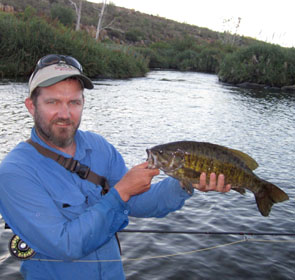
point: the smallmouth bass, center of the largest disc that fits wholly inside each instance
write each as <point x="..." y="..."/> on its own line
<point x="186" y="160"/>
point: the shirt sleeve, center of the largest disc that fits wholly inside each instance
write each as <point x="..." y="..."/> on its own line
<point x="32" y="214"/>
<point x="162" y="198"/>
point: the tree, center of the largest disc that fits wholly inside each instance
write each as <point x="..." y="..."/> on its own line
<point x="98" y="29"/>
<point x="100" y="17"/>
<point x="78" y="10"/>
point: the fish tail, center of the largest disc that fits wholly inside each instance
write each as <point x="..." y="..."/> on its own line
<point x="267" y="195"/>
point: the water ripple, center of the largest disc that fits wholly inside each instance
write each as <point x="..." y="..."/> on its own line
<point x="167" y="106"/>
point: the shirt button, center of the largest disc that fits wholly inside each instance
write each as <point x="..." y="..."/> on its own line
<point x="126" y="212"/>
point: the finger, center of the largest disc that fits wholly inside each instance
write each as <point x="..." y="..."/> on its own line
<point x="227" y="187"/>
<point x="220" y="183"/>
<point x="150" y="172"/>
<point x="202" y="184"/>
<point x="221" y="187"/>
<point x="154" y="172"/>
<point x="142" y="165"/>
<point x="212" y="182"/>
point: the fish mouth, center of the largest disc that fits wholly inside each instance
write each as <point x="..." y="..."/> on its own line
<point x="151" y="159"/>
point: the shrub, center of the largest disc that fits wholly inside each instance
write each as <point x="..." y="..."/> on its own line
<point x="208" y="60"/>
<point x="23" y="43"/>
<point x="134" y="35"/>
<point x="263" y="64"/>
<point x="65" y="15"/>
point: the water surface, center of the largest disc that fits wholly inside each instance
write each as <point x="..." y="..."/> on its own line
<point x="168" y="106"/>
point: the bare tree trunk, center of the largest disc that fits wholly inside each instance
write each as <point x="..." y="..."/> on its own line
<point x="78" y="12"/>
<point x="98" y="29"/>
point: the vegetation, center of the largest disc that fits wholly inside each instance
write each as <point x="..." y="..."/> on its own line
<point x="146" y="28"/>
<point x="262" y="64"/>
<point x="26" y="38"/>
<point x="186" y="55"/>
<point x="131" y="43"/>
<point x="64" y="15"/>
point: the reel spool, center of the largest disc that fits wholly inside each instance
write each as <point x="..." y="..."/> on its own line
<point x="19" y="249"/>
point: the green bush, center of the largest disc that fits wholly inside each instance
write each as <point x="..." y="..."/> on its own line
<point x="65" y="15"/>
<point x="187" y="60"/>
<point x="180" y="45"/>
<point x="209" y="60"/>
<point x="186" y="55"/>
<point x="290" y="65"/>
<point x="23" y="43"/>
<point x="134" y="35"/>
<point x="29" y="12"/>
<point x="263" y="64"/>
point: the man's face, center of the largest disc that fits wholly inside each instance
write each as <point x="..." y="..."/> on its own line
<point x="57" y="112"/>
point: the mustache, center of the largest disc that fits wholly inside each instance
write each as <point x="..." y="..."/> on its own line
<point x="62" y="120"/>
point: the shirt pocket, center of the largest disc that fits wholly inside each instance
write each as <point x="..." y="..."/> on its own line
<point x="71" y="205"/>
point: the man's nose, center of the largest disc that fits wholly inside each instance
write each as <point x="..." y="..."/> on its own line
<point x="64" y="111"/>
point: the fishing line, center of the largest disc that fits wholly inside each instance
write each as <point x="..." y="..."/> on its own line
<point x="245" y="239"/>
<point x="148" y="258"/>
<point x="209" y="232"/>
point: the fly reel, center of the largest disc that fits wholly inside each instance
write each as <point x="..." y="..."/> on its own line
<point x="19" y="249"/>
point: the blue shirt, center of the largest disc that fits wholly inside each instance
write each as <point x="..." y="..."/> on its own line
<point x="65" y="219"/>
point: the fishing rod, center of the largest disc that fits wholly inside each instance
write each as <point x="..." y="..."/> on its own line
<point x="208" y="232"/>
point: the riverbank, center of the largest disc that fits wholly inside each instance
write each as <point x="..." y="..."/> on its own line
<point x="254" y="86"/>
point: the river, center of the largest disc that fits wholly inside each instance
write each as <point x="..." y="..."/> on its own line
<point x="167" y="106"/>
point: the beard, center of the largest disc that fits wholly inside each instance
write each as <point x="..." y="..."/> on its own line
<point x="59" y="136"/>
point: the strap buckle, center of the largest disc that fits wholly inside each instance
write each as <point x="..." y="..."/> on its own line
<point x="81" y="169"/>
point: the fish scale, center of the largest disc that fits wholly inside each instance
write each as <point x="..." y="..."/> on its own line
<point x="206" y="164"/>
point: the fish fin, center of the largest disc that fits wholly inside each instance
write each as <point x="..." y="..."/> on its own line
<point x="194" y="178"/>
<point x="267" y="196"/>
<point x="239" y="190"/>
<point x="188" y="186"/>
<point x="249" y="161"/>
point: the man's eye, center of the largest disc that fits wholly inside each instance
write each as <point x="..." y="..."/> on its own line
<point x="51" y="101"/>
<point x="76" y="102"/>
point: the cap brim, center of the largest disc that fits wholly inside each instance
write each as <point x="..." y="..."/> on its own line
<point x="55" y="73"/>
<point x="86" y="81"/>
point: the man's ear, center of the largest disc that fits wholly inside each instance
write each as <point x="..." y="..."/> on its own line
<point x="30" y="106"/>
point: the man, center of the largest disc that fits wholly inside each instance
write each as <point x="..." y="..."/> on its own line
<point x="66" y="220"/>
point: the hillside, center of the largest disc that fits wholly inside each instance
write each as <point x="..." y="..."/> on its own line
<point x="131" y="43"/>
<point x="127" y="26"/>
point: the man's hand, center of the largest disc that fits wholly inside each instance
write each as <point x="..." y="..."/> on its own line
<point x="137" y="180"/>
<point x="218" y="186"/>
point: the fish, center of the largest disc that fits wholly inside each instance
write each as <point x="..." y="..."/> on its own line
<point x="186" y="160"/>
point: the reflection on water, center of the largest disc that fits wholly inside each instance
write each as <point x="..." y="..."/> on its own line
<point x="168" y="106"/>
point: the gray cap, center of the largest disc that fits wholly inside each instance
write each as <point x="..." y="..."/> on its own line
<point x="55" y="73"/>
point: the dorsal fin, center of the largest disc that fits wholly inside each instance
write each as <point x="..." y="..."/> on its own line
<point x="250" y="162"/>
